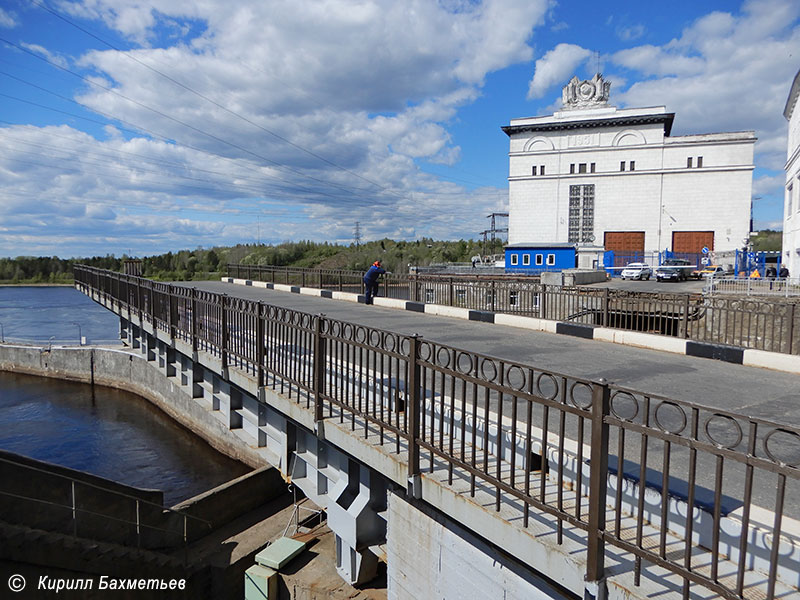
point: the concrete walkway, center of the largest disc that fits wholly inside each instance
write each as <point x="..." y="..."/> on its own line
<point x="752" y="391"/>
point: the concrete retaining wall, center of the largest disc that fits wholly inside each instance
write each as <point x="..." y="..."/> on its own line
<point x="431" y="557"/>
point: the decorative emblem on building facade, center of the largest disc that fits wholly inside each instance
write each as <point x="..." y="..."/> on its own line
<point x="587" y="93"/>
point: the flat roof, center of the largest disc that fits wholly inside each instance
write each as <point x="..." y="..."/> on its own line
<point x="551" y="125"/>
<point x="533" y="245"/>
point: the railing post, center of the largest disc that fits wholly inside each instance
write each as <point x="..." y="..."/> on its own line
<point x="170" y="317"/>
<point x="260" y="335"/>
<point x="598" y="490"/>
<point x="791" y="326"/>
<point x="223" y="303"/>
<point x="194" y="320"/>
<point x="450" y="292"/>
<point x="543" y="302"/>
<point x="413" y="401"/>
<point x="606" y="300"/>
<point x="319" y="368"/>
<point x="138" y="527"/>
<point x="494" y="296"/>
<point x="686" y="316"/>
<point x="139" y="298"/>
<point x="74" y="511"/>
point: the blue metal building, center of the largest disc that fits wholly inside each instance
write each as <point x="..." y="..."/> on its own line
<point x="536" y="258"/>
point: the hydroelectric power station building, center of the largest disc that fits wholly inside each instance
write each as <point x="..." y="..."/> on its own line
<point x="610" y="178"/>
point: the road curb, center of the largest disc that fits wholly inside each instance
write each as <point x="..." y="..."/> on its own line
<point x="788" y="363"/>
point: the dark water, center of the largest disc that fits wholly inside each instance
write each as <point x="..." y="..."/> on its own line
<point x="110" y="433"/>
<point x="37" y="313"/>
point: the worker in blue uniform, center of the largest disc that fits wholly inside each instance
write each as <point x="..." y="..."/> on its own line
<point x="371" y="281"/>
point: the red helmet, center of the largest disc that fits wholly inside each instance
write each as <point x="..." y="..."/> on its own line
<point x="377" y="263"/>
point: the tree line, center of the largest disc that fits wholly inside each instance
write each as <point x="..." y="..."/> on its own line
<point x="200" y="264"/>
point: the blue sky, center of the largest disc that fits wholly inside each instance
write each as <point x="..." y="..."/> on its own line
<point x="142" y="126"/>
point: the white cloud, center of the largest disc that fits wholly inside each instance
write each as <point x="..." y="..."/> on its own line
<point x="370" y="86"/>
<point x="7" y="19"/>
<point x="556" y="67"/>
<point x="50" y="56"/>
<point x="726" y="72"/>
<point x="631" y="32"/>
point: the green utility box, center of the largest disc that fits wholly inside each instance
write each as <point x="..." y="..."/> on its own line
<point x="279" y="553"/>
<point x="260" y="583"/>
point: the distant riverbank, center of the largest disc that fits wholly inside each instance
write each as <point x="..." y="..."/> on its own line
<point x="36" y="284"/>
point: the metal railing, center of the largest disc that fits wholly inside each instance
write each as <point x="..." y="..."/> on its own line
<point x="84" y="509"/>
<point x="747" y="286"/>
<point x="574" y="454"/>
<point x="761" y="324"/>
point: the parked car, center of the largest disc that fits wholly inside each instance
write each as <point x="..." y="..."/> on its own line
<point x="636" y="271"/>
<point x="674" y="269"/>
<point x="711" y="271"/>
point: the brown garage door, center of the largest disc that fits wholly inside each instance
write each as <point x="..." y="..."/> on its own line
<point x="692" y="241"/>
<point x="624" y="242"/>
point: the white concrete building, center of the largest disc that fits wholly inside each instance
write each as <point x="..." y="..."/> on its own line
<point x="595" y="175"/>
<point x="791" y="203"/>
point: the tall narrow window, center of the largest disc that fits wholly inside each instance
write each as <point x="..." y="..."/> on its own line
<point x="699" y="161"/>
<point x="633" y="165"/>
<point x="533" y="170"/>
<point x="551" y="259"/>
<point x="526" y="259"/>
<point x="582" y="168"/>
<point x="789" y="201"/>
<point x="539" y="259"/>
<point x="541" y="170"/>
<point x="689" y="162"/>
<point x="514" y="259"/>
<point x="572" y="168"/>
<point x="622" y="165"/>
<point x="591" y="167"/>
<point x="581" y="213"/>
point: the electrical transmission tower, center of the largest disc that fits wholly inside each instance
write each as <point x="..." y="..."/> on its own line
<point x="494" y="230"/>
<point x="357" y="234"/>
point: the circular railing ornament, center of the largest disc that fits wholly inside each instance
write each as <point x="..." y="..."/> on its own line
<point x="679" y="412"/>
<point x="548" y="378"/>
<point x="515" y="378"/>
<point x="723" y="421"/>
<point x="790" y="443"/>
<point x="576" y="400"/>
<point x="617" y="405"/>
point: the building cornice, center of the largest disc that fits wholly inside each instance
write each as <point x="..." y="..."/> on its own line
<point x="645" y="147"/>
<point x="791" y="101"/>
<point x="664" y="118"/>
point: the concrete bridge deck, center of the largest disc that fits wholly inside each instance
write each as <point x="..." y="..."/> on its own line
<point x="758" y="392"/>
<point x="183" y="334"/>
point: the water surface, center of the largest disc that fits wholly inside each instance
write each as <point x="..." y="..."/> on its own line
<point x="111" y="433"/>
<point x="39" y="313"/>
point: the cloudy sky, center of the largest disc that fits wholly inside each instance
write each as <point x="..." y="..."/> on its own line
<point x="141" y="126"/>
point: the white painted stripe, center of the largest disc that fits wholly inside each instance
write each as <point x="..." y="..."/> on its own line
<point x="772" y="360"/>
<point x="347" y="296"/>
<point x="531" y="323"/>
<point x="390" y="303"/>
<point x="447" y="311"/>
<point x="639" y="339"/>
<point x="310" y="291"/>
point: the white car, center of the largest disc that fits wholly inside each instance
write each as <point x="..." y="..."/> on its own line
<point x="636" y="271"/>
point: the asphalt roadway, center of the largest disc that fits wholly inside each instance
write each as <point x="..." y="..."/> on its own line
<point x="751" y="391"/>
<point x="757" y="392"/>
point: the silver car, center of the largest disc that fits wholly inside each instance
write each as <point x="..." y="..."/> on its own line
<point x="636" y="271"/>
